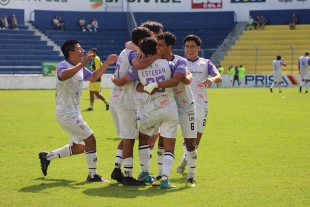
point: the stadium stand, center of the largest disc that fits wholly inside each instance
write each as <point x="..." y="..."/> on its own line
<point x="256" y="50"/>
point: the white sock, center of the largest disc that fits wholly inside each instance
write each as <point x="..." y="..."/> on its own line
<point x="151" y="155"/>
<point x="302" y="83"/>
<point x="128" y="166"/>
<point x="65" y="151"/>
<point x="272" y="85"/>
<point x="160" y="157"/>
<point x="307" y="85"/>
<point x="91" y="159"/>
<point x="144" y="155"/>
<point x="167" y="164"/>
<point x="184" y="147"/>
<point x="191" y="160"/>
<point x="183" y="162"/>
<point x="119" y="158"/>
<point x="280" y="89"/>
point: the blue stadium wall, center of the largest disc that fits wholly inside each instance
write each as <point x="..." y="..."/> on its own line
<point x="19" y="13"/>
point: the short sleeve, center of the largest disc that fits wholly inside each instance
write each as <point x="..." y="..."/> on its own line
<point x="86" y="73"/>
<point x="181" y="66"/>
<point x="132" y="55"/>
<point x="60" y="68"/>
<point x="211" y="67"/>
<point x="132" y="74"/>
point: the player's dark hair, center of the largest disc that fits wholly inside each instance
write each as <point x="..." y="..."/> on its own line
<point x="240" y="66"/>
<point x="278" y="57"/>
<point x="148" y="45"/>
<point x="193" y="38"/>
<point x="154" y="26"/>
<point x="94" y="49"/>
<point x="139" y="33"/>
<point x="168" y="37"/>
<point x="220" y="66"/>
<point x="307" y="53"/>
<point x="68" y="46"/>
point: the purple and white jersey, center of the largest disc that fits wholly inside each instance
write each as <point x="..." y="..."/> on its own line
<point x="183" y="93"/>
<point x="201" y="69"/>
<point x="123" y="96"/>
<point x="68" y="92"/>
<point x="303" y="63"/>
<point x="160" y="70"/>
<point x="277" y="66"/>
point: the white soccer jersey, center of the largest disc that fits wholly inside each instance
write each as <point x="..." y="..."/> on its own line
<point x="123" y="96"/>
<point x="183" y="93"/>
<point x="163" y="100"/>
<point x="201" y="69"/>
<point x="277" y="66"/>
<point x="68" y="92"/>
<point x="303" y="63"/>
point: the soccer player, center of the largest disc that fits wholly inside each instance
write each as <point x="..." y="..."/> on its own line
<point x="277" y="73"/>
<point x="159" y="110"/>
<point x="241" y="74"/>
<point x="303" y="67"/>
<point x="95" y="87"/>
<point x="201" y="69"/>
<point x="221" y="71"/>
<point x="185" y="103"/>
<point x="71" y="73"/>
<point x="231" y="73"/>
<point x="123" y="110"/>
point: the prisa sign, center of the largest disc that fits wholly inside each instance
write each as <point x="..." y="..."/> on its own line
<point x="267" y="80"/>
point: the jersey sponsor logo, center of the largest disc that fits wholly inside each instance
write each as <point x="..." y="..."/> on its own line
<point x="163" y="102"/>
<point x="199" y="85"/>
<point x="200" y="95"/>
<point x="115" y="95"/>
<point x="179" y="91"/>
<point x="82" y="126"/>
<point x="182" y="66"/>
<point x="183" y="101"/>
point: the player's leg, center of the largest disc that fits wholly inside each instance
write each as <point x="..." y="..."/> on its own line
<point x="306" y="76"/>
<point x="160" y="157"/>
<point x="279" y="80"/>
<point x="151" y="142"/>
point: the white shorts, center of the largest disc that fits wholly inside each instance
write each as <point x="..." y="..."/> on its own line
<point x="277" y="77"/>
<point x="304" y="74"/>
<point x="75" y="127"/>
<point x="231" y="77"/>
<point x="168" y="123"/>
<point x="125" y="121"/>
<point x="201" y="119"/>
<point x="241" y="80"/>
<point x="188" y="123"/>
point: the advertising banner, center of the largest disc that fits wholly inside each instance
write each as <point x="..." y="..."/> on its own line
<point x="49" y="68"/>
<point x="247" y="1"/>
<point x="207" y="4"/>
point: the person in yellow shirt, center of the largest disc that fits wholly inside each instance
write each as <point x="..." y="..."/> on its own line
<point x="221" y="70"/>
<point x="95" y="87"/>
<point x="241" y="75"/>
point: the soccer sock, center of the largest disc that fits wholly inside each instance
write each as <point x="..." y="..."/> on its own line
<point x="183" y="162"/>
<point x="144" y="155"/>
<point x="307" y="85"/>
<point x="91" y="105"/>
<point x="280" y="89"/>
<point x="191" y="160"/>
<point x="160" y="157"/>
<point x="184" y="147"/>
<point x="167" y="164"/>
<point x="91" y="159"/>
<point x="151" y="156"/>
<point x="65" y="151"/>
<point x="301" y="84"/>
<point x="272" y="85"/>
<point x="128" y="166"/>
<point x="118" y="159"/>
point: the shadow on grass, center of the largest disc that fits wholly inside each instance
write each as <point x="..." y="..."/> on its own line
<point x="116" y="190"/>
<point x="114" y="139"/>
<point x="48" y="183"/>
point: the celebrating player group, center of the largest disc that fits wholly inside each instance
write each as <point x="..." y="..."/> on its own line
<point x="154" y="92"/>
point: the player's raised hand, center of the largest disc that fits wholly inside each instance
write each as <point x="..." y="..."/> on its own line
<point x="140" y="54"/>
<point x="87" y="57"/>
<point x="111" y="59"/>
<point x="208" y="82"/>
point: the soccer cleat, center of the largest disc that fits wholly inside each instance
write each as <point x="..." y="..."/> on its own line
<point x="270" y="90"/>
<point x="107" y="107"/>
<point x="300" y="89"/>
<point x="132" y="181"/>
<point x="146" y="177"/>
<point x="157" y="181"/>
<point x="96" y="178"/>
<point x="44" y="162"/>
<point x="307" y="92"/>
<point x="190" y="182"/>
<point x="89" y="109"/>
<point x="117" y="175"/>
<point x="165" y="184"/>
<point x="180" y="169"/>
<point x="280" y="91"/>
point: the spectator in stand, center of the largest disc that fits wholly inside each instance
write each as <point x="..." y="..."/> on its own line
<point x="261" y="22"/>
<point x="5" y="22"/>
<point x="1" y="23"/>
<point x="14" y="22"/>
<point x="61" y="23"/>
<point x="83" y="25"/>
<point x="255" y="23"/>
<point x="56" y="23"/>
<point x="293" y="22"/>
<point x="94" y="24"/>
<point x="250" y="23"/>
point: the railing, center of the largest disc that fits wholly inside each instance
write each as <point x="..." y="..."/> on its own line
<point x="131" y="21"/>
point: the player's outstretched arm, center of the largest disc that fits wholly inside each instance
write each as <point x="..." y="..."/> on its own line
<point x="215" y="78"/>
<point x="111" y="59"/>
<point x="143" y="63"/>
<point x="70" y="72"/>
<point x="120" y="81"/>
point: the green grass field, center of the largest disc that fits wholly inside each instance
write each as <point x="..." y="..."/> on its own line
<point x="255" y="152"/>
